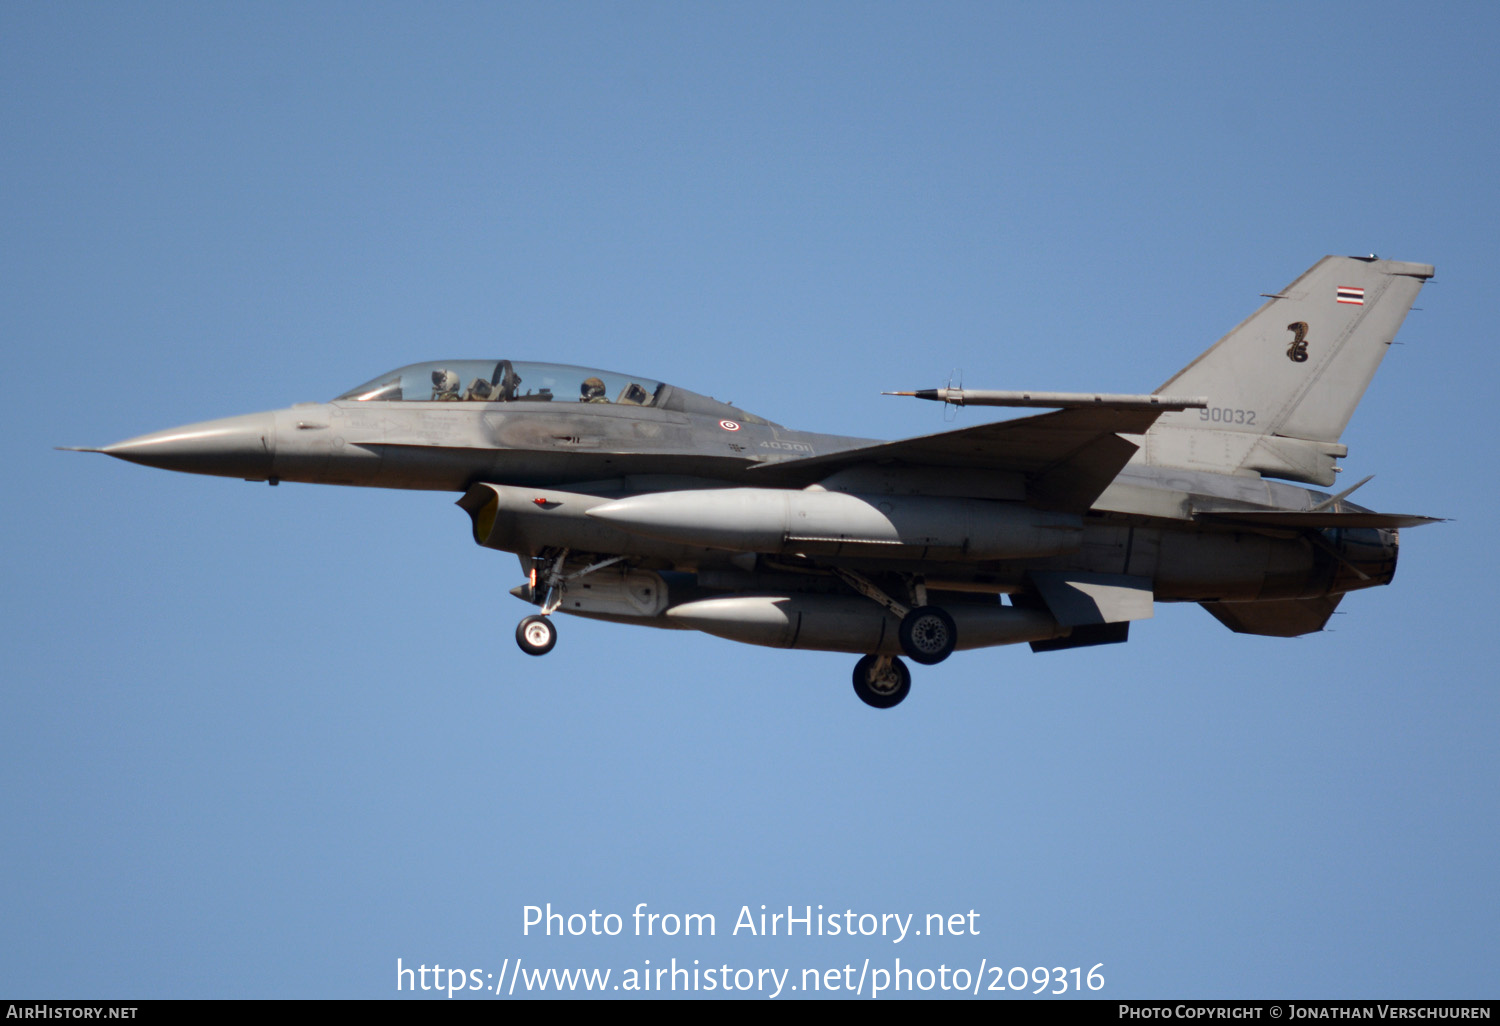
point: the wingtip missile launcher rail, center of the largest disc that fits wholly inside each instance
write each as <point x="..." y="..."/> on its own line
<point x="1057" y="400"/>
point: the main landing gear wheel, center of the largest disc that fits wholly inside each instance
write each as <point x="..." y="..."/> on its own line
<point x="536" y="635"/>
<point x="928" y="635"/>
<point x="881" y="681"/>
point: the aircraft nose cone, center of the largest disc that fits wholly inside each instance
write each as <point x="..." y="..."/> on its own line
<point x="230" y="447"/>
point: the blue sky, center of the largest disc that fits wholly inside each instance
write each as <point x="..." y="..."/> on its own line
<point x="265" y="742"/>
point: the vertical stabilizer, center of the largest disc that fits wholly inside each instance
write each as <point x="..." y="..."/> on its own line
<point x="1282" y="386"/>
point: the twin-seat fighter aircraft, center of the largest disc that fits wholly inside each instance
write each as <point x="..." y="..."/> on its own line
<point x="632" y="500"/>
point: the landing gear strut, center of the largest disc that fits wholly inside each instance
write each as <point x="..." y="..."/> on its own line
<point x="927" y="634"/>
<point x="536" y="635"/>
<point x="881" y="681"/>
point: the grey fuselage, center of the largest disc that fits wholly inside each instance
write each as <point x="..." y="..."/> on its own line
<point x="1142" y="526"/>
<point x="629" y="499"/>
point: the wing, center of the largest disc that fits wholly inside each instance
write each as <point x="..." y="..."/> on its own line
<point x="1067" y="458"/>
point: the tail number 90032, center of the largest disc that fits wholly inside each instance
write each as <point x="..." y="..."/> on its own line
<point x="1226" y="415"/>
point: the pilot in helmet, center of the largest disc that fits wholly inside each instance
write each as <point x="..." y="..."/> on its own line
<point x="444" y="385"/>
<point x="592" y="391"/>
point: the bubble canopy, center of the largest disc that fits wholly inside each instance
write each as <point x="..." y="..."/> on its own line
<point x="504" y="381"/>
<point x="507" y="381"/>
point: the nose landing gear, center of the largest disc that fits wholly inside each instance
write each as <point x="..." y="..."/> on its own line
<point x="536" y="635"/>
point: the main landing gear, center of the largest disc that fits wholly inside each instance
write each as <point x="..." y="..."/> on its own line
<point x="928" y="635"/>
<point x="881" y="681"/>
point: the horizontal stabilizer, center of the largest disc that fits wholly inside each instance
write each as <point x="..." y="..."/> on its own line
<point x="1285" y="619"/>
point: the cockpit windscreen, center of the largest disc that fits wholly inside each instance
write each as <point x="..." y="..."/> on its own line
<point x="504" y="381"/>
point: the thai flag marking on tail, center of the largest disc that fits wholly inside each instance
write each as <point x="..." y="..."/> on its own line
<point x="1349" y="294"/>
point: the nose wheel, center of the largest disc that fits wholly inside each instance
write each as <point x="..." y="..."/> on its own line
<point x="536" y="635"/>
<point x="881" y="681"/>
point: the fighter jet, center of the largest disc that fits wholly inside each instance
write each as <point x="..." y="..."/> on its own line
<point x="631" y="500"/>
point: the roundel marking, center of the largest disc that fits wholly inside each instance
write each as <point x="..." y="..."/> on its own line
<point x="729" y="425"/>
